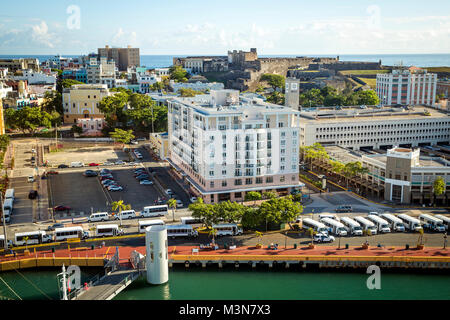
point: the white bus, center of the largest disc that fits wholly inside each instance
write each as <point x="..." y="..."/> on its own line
<point x="327" y="215"/>
<point x="190" y="220"/>
<point x="108" y="230"/>
<point x="432" y="223"/>
<point x="33" y="237"/>
<point x="334" y="226"/>
<point x="382" y="225"/>
<point x="396" y="223"/>
<point x="62" y="234"/>
<point x="315" y="225"/>
<point x="2" y="241"/>
<point x="181" y="230"/>
<point x="227" y="229"/>
<point x="366" y="224"/>
<point x="155" y="211"/>
<point x="411" y="223"/>
<point x="352" y="226"/>
<point x="144" y="224"/>
<point x="445" y="220"/>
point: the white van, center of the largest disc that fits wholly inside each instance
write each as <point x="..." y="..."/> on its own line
<point x="108" y="230"/>
<point x="9" y="194"/>
<point x="155" y="211"/>
<point x="126" y="214"/>
<point x="6" y="216"/>
<point x="99" y="216"/>
<point x="8" y="205"/>
<point x="227" y="229"/>
<point x="76" y="164"/>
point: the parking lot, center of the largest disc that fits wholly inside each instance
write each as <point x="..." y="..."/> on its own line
<point x="99" y="154"/>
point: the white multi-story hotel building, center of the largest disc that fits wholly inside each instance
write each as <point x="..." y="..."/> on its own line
<point x="407" y="87"/>
<point x="226" y="145"/>
<point x="374" y="128"/>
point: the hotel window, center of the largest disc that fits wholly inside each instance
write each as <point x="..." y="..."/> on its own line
<point x="282" y="178"/>
<point x="224" y="172"/>
<point x="259" y="180"/>
<point x="211" y="173"/>
<point x="248" y="181"/>
<point x="237" y="182"/>
<point x="211" y="184"/>
<point x="224" y="183"/>
<point x="269" y="179"/>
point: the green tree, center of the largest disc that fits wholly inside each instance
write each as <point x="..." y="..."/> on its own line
<point x="119" y="205"/>
<point x="276" y="98"/>
<point x="281" y="210"/>
<point x="274" y="80"/>
<point x="253" y="196"/>
<point x="212" y="233"/>
<point x="172" y="203"/>
<point x="203" y="211"/>
<point x="314" y="152"/>
<point x="76" y="129"/>
<point x="187" y="92"/>
<point x="122" y="136"/>
<point x="52" y="102"/>
<point x="178" y="74"/>
<point x="228" y="211"/>
<point x="113" y="107"/>
<point x="28" y="119"/>
<point x="367" y="97"/>
<point x="438" y="186"/>
<point x="269" y="195"/>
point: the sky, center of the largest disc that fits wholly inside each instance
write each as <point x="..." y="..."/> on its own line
<point x="290" y="27"/>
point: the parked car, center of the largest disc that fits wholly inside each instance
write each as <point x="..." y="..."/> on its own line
<point x="76" y="164"/>
<point x="134" y="142"/>
<point x="93" y="164"/>
<point x="104" y="170"/>
<point x="107" y="163"/>
<point x="115" y="188"/>
<point x="90" y="173"/>
<point x="193" y="199"/>
<point x="52" y="172"/>
<point x="32" y="194"/>
<point x="179" y="204"/>
<point x="61" y="208"/>
<point x="143" y="178"/>
<point x="108" y="177"/>
<point x="33" y="151"/>
<point x="139" y="156"/>
<point x="344" y="208"/>
<point x="30" y="178"/>
<point x="323" y="237"/>
<point x="119" y="163"/>
<point x="169" y="192"/>
<point x="54" y="226"/>
<point x="146" y="182"/>
<point x="141" y="139"/>
<point x="62" y="166"/>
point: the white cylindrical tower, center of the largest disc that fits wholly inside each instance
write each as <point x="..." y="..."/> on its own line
<point x="157" y="259"/>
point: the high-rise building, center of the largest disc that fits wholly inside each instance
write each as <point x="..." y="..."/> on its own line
<point x="292" y="93"/>
<point x="413" y="86"/>
<point x="227" y="145"/>
<point x="124" y="57"/>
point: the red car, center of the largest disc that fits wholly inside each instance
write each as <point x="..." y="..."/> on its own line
<point x="93" y="164"/>
<point x="52" y="172"/>
<point x="62" y="208"/>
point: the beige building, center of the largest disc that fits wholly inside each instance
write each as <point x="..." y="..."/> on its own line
<point x="159" y="142"/>
<point x="14" y="65"/>
<point x="2" y="119"/>
<point x="124" y="57"/>
<point x="81" y="101"/>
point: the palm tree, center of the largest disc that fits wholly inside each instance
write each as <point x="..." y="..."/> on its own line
<point x="26" y="242"/>
<point x="119" y="205"/>
<point x="259" y="235"/>
<point x="213" y="233"/>
<point x="172" y="203"/>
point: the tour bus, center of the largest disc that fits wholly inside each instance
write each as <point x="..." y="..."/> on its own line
<point x="33" y="237"/>
<point x="334" y="226"/>
<point x="315" y="225"/>
<point x="155" y="211"/>
<point x="382" y="225"/>
<point x="2" y="241"/>
<point x="190" y="220"/>
<point x="62" y="234"/>
<point x="108" y="230"/>
<point x="9" y="194"/>
<point x="352" y="226"/>
<point x="411" y="223"/>
<point x="432" y="223"/>
<point x="445" y="220"/>
<point x="181" y="230"/>
<point x="367" y="224"/>
<point x="144" y="224"/>
<point x="396" y="223"/>
<point x="227" y="229"/>
<point x="8" y="205"/>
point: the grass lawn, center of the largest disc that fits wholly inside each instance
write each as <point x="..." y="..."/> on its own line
<point x="438" y="69"/>
<point x="363" y="72"/>
<point x="371" y="82"/>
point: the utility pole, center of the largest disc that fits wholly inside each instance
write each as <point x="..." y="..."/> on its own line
<point x="4" y="222"/>
<point x="56" y="135"/>
<point x="153" y="128"/>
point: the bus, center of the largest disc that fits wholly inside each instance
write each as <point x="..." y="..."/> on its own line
<point x="191" y="220"/>
<point x="382" y="225"/>
<point x="445" y="220"/>
<point x="411" y="223"/>
<point x="396" y="223"/>
<point x="144" y="224"/>
<point x="2" y="241"/>
<point x="227" y="229"/>
<point x="432" y="223"/>
<point x="366" y="225"/>
<point x="33" y="237"/>
<point x="155" y="211"/>
<point x="352" y="226"/>
<point x="181" y="230"/>
<point x="334" y="226"/>
<point x="108" y="230"/>
<point x="315" y="225"/>
<point x="62" y="234"/>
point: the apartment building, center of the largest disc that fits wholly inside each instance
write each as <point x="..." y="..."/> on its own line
<point x="374" y="127"/>
<point x="14" y="65"/>
<point x="123" y="57"/>
<point x="413" y="86"/>
<point x="197" y="86"/>
<point x="399" y="175"/>
<point x="101" y="71"/>
<point x="81" y="101"/>
<point x="33" y="77"/>
<point x="226" y="145"/>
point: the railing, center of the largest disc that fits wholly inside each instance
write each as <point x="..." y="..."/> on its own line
<point x="74" y="294"/>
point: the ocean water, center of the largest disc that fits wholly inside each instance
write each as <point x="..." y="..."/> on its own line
<point x="246" y="284"/>
<point x="420" y="60"/>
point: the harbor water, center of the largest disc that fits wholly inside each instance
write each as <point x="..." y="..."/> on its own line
<point x="246" y="284"/>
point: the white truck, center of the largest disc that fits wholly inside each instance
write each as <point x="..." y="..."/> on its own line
<point x="353" y="227"/>
<point x="382" y="225"/>
<point x="411" y="223"/>
<point x="432" y="223"/>
<point x="395" y="223"/>
<point x="334" y="226"/>
<point x="367" y="225"/>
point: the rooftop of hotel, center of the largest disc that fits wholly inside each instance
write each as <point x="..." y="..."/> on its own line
<point x="370" y="113"/>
